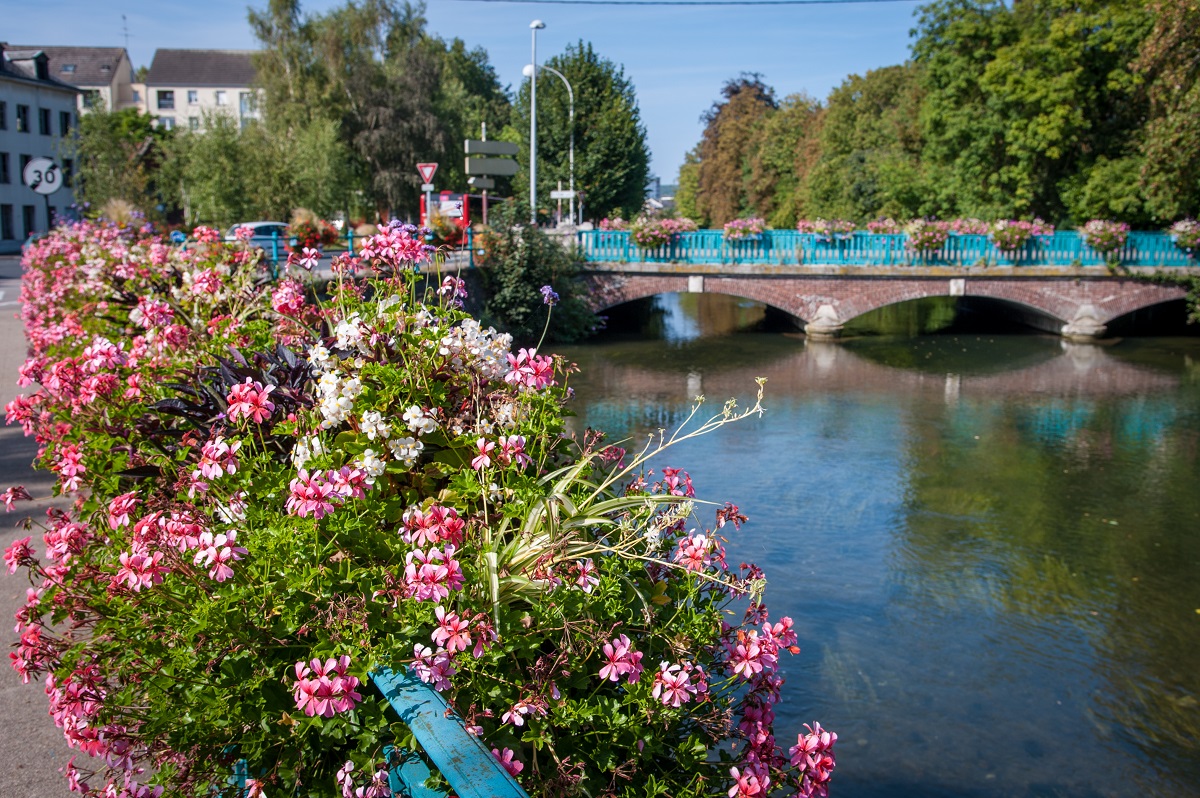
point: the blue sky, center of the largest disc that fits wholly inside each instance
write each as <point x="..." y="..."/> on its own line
<point x="677" y="58"/>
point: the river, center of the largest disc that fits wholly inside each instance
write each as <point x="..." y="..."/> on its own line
<point x="988" y="541"/>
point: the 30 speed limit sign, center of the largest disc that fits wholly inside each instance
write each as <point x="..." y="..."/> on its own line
<point x="43" y="176"/>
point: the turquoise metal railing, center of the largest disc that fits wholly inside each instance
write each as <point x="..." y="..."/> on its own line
<point x="789" y="247"/>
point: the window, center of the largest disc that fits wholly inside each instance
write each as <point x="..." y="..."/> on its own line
<point x="166" y="122"/>
<point x="5" y="175"/>
<point x="246" y="103"/>
<point x="6" y="220"/>
<point x="91" y="98"/>
<point x="44" y="121"/>
<point x="3" y="116"/>
<point x="137" y="96"/>
<point x="64" y="123"/>
<point x="193" y="96"/>
<point x="24" y="160"/>
<point x="68" y="172"/>
<point x="67" y="69"/>
<point x="222" y="98"/>
<point x="166" y="101"/>
<point x="22" y="118"/>
<point x="28" y="219"/>
<point x="193" y="123"/>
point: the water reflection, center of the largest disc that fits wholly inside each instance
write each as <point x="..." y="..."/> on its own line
<point x="987" y="543"/>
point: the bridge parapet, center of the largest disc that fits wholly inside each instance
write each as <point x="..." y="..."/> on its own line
<point x="793" y="248"/>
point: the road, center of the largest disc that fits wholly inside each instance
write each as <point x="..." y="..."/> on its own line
<point x="30" y="746"/>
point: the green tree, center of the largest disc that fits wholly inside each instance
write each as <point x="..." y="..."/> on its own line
<point x="118" y="156"/>
<point x="731" y="128"/>
<point x="778" y="160"/>
<point x="869" y="149"/>
<point x="1170" y="174"/>
<point x="612" y="161"/>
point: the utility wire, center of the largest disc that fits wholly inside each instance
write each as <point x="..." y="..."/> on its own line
<point x="689" y="2"/>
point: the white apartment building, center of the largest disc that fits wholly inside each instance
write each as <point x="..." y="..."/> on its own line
<point x="105" y="74"/>
<point x="38" y="114"/>
<point x="185" y="85"/>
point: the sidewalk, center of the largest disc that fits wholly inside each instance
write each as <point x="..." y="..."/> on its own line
<point x="30" y="744"/>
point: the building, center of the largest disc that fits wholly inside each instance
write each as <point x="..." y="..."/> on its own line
<point x="185" y="85"/>
<point x="105" y="74"/>
<point x="38" y="114"/>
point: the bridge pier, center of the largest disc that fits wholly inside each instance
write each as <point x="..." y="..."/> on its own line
<point x="1084" y="326"/>
<point x="825" y="325"/>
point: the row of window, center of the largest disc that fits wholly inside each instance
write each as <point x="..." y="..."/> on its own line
<point x="193" y="122"/>
<point x="166" y="98"/>
<point x="8" y="176"/>
<point x="28" y="221"/>
<point x="44" y="116"/>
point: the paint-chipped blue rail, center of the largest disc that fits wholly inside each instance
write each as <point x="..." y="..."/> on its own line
<point x="462" y="758"/>
<point x="789" y="247"/>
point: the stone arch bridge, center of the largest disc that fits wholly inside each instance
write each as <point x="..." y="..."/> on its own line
<point x="1077" y="302"/>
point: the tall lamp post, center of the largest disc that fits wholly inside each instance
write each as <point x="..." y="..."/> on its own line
<point x="529" y="72"/>
<point x="534" y="27"/>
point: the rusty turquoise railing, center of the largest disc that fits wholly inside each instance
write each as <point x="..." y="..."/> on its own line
<point x="465" y="763"/>
<point x="790" y="247"/>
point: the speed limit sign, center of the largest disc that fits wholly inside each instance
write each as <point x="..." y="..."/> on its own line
<point x="42" y="175"/>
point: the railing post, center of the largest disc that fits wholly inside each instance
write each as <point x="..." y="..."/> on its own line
<point x="275" y="244"/>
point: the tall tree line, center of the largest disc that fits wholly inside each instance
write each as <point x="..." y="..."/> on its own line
<point x="1064" y="109"/>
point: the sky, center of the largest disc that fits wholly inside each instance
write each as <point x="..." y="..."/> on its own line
<point x="677" y="58"/>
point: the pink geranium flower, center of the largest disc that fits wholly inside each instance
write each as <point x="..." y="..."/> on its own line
<point x="250" y="400"/>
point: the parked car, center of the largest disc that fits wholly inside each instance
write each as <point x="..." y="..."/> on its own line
<point x="265" y="236"/>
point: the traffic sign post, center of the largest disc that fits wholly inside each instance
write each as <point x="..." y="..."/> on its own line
<point x="44" y="177"/>
<point x="427" y="170"/>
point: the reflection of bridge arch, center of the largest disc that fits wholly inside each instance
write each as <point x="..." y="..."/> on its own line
<point x="1083" y="307"/>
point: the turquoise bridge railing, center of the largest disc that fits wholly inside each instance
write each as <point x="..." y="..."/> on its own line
<point x="465" y="763"/>
<point x="790" y="247"/>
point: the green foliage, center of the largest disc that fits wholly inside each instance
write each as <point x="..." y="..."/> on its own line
<point x="612" y="162"/>
<point x="731" y="129"/>
<point x="118" y="155"/>
<point x="519" y="260"/>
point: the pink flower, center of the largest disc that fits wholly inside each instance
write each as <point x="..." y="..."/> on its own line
<point x="695" y="552"/>
<point x="218" y="458"/>
<point x="621" y="660"/>
<point x="672" y="685"/>
<point x="216" y="552"/>
<point x="483" y="460"/>
<point x="431" y="575"/>
<point x="13" y="495"/>
<point x="530" y="370"/>
<point x="436" y="525"/>
<point x="311" y="495"/>
<point x="249" y="400"/>
<point x="433" y="667"/>
<point x="329" y="691"/>
<point x="753" y="780"/>
<point x="17" y="553"/>
<point x="140" y="569"/>
<point x="452" y="632"/>
<point x="505" y="758"/>
<point x="813" y="756"/>
<point x="309" y="258"/>
<point x="70" y="467"/>
<point x="288" y="298"/>
<point x="512" y="450"/>
<point x="350" y="483"/>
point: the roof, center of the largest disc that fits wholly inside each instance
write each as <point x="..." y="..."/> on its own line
<point x="89" y="63"/>
<point x="13" y="71"/>
<point x="217" y="68"/>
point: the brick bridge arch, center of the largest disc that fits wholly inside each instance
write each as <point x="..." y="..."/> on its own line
<point x="825" y="302"/>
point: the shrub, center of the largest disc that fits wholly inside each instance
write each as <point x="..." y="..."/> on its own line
<point x="311" y="232"/>
<point x="615" y="223"/>
<point x="739" y="229"/>
<point x="1010" y="235"/>
<point x="827" y="228"/>
<point x="1104" y="236"/>
<point x="969" y="227"/>
<point x="273" y="492"/>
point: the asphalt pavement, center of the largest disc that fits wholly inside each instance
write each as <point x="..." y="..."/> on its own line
<point x="31" y="748"/>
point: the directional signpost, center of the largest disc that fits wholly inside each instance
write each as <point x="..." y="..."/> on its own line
<point x="427" y="170"/>
<point x="43" y="176"/>
<point x="477" y="168"/>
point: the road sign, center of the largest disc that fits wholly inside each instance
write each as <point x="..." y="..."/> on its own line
<point x="481" y="182"/>
<point x="427" y="187"/>
<point x="474" y="147"/>
<point x="42" y="175"/>
<point x="561" y="194"/>
<point x="427" y="170"/>
<point x="491" y="166"/>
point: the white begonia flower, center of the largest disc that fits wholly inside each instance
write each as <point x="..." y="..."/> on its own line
<point x="372" y="464"/>
<point x="418" y="421"/>
<point x="374" y="426"/>
<point x="406" y="449"/>
<point x="349" y="332"/>
<point x="318" y="357"/>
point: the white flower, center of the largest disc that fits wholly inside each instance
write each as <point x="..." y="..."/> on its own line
<point x="371" y="463"/>
<point x="374" y="426"/>
<point x="418" y="421"/>
<point x="406" y="450"/>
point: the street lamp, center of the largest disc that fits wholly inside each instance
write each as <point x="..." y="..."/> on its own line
<point x="534" y="27"/>
<point x="529" y="71"/>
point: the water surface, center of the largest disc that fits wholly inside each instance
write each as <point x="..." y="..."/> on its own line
<point x="988" y="542"/>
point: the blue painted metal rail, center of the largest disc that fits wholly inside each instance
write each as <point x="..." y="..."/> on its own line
<point x="789" y="247"/>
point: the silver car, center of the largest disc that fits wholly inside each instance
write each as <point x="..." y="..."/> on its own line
<point x="270" y="237"/>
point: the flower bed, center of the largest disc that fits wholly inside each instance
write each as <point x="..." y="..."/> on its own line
<point x="1186" y="235"/>
<point x="926" y="237"/>
<point x="273" y="491"/>
<point x="652" y="232"/>
<point x="969" y="227"/>
<point x="1105" y="237"/>
<point x="887" y="226"/>
<point x="1010" y="235"/>
<point x="827" y="228"/>
<point x="742" y="229"/>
